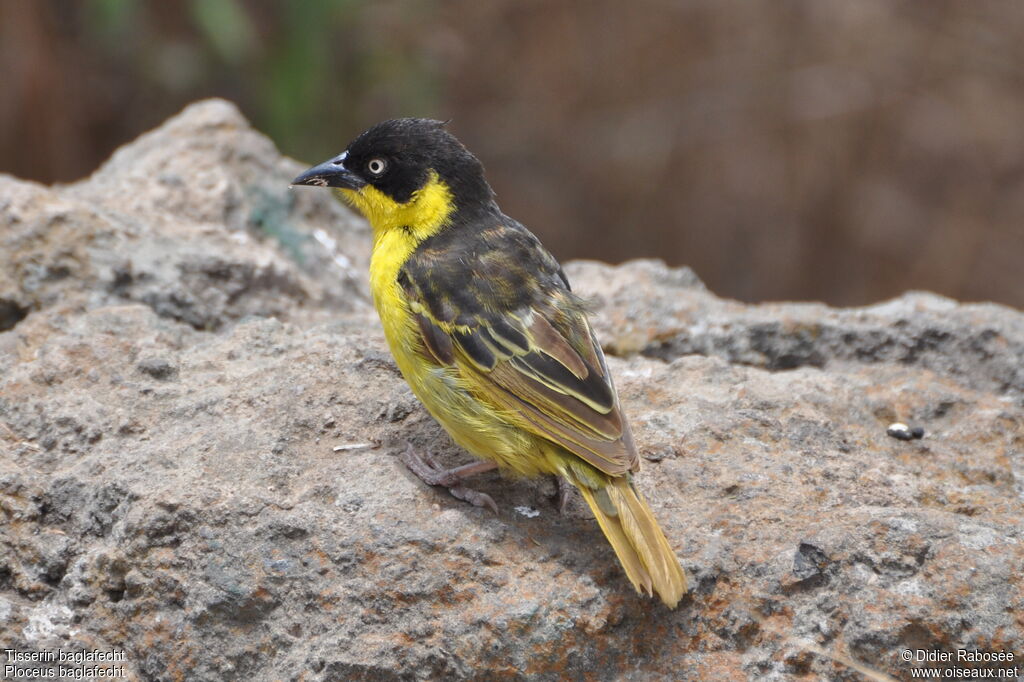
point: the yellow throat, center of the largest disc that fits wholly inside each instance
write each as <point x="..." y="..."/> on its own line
<point x="426" y="212"/>
<point x="398" y="229"/>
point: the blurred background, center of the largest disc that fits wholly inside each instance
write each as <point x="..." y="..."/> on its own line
<point x="803" y="149"/>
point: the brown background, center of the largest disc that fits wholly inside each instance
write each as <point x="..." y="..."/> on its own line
<point x="832" y="150"/>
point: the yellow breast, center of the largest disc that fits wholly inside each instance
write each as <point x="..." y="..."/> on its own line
<point x="398" y="229"/>
<point x="390" y="251"/>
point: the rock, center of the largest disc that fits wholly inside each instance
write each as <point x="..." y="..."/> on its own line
<point x="809" y="562"/>
<point x="195" y="220"/>
<point x="659" y="312"/>
<point x="158" y="368"/>
<point x="176" y="376"/>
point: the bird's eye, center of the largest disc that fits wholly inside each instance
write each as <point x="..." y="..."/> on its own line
<point x="376" y="166"/>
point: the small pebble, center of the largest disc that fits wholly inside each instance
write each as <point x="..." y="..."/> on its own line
<point x="158" y="368"/>
<point x="901" y="431"/>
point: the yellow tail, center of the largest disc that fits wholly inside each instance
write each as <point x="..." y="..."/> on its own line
<point x="643" y="551"/>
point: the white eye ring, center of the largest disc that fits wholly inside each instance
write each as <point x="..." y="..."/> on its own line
<point x="376" y="166"/>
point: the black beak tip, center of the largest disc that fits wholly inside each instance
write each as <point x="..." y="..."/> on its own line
<point x="329" y="174"/>
<point x="309" y="179"/>
<point x="317" y="176"/>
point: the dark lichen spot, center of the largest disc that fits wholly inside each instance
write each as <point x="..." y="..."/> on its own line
<point x="158" y="368"/>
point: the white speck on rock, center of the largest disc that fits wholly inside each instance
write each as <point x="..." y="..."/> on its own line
<point x="528" y="512"/>
<point x="325" y="240"/>
<point x="911" y="588"/>
<point x="331" y="245"/>
<point x="47" y="621"/>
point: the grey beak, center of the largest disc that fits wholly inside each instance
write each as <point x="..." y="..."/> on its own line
<point x="330" y="174"/>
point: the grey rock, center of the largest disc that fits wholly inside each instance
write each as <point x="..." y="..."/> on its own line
<point x="195" y="220"/>
<point x="158" y="368"/>
<point x="171" y="394"/>
<point x="809" y="562"/>
<point x="664" y="313"/>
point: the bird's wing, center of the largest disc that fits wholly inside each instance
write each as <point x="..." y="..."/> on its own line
<point x="521" y="340"/>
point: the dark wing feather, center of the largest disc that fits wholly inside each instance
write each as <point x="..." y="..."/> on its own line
<point x="521" y="338"/>
<point x="436" y="343"/>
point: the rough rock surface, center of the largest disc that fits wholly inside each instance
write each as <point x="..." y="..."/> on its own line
<point x="187" y="342"/>
<point x="194" y="220"/>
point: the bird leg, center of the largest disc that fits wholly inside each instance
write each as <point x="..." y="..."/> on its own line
<point x="427" y="470"/>
<point x="564" y="493"/>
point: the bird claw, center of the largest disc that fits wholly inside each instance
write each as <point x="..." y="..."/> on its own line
<point x="565" y="490"/>
<point x="474" y="497"/>
<point x="428" y="471"/>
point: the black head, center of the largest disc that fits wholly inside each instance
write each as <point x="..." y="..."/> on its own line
<point x="398" y="156"/>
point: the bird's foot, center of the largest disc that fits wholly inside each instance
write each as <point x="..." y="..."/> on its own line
<point x="565" y="490"/>
<point x="427" y="470"/>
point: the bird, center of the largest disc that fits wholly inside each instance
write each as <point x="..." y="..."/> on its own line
<point x="485" y="328"/>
